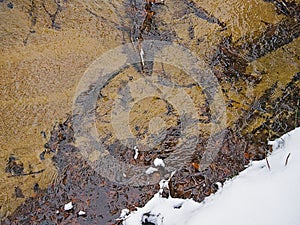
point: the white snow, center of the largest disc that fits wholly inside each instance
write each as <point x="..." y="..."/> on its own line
<point x="151" y="170"/>
<point x="68" y="206"/>
<point x="136" y="152"/>
<point x="124" y="214"/>
<point x="164" y="184"/>
<point x="257" y="196"/>
<point x="142" y="56"/>
<point x="81" y="213"/>
<point x="158" y="162"/>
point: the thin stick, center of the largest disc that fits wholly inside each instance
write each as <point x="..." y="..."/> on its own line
<point x="268" y="163"/>
<point x="287" y="159"/>
<point x="26" y="174"/>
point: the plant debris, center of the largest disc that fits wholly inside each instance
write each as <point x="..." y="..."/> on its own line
<point x="14" y="166"/>
<point x="19" y="193"/>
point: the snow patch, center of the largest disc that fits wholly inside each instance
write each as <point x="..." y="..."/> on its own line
<point x="256" y="196"/>
<point x="159" y="162"/>
<point x="142" y="56"/>
<point x="136" y="152"/>
<point x="151" y="170"/>
<point x="68" y="206"/>
<point x="81" y="213"/>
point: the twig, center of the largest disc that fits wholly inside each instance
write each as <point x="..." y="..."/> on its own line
<point x="53" y="16"/>
<point x="26" y="174"/>
<point x="287" y="159"/>
<point x="268" y="163"/>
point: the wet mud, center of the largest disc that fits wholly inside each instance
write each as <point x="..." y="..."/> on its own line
<point x="267" y="107"/>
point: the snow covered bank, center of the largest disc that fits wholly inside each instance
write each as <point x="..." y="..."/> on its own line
<point x="257" y="196"/>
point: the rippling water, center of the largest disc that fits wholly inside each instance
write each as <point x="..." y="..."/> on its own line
<point x="47" y="47"/>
